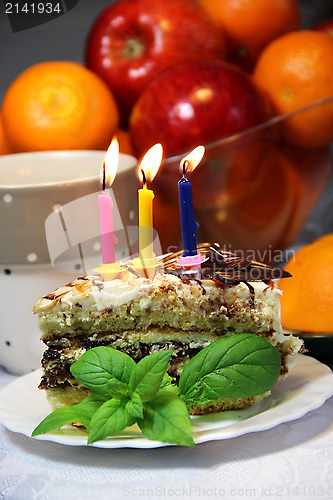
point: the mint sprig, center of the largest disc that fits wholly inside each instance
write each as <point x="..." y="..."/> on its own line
<point x="110" y="418"/>
<point x="166" y="419"/>
<point x="238" y="366"/>
<point x="99" y="365"/>
<point x="124" y="393"/>
<point x="81" y="412"/>
<point x="147" y="376"/>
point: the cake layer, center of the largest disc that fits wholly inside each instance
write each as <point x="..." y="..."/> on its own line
<point x="90" y="305"/>
<point x="62" y="353"/>
<point x="57" y="359"/>
<point x="66" y="395"/>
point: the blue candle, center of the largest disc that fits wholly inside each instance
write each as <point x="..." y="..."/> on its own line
<point x="188" y="224"/>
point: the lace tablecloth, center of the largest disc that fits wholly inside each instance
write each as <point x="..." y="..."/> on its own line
<point x="292" y="461"/>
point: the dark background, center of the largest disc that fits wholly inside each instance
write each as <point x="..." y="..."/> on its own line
<point x="64" y="38"/>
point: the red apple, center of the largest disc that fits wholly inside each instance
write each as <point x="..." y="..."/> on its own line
<point x="325" y="27"/>
<point x="195" y="103"/>
<point x="132" y="41"/>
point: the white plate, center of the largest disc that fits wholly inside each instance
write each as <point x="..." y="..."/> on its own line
<point x="310" y="384"/>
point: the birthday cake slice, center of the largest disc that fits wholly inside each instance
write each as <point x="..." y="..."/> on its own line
<point x="176" y="309"/>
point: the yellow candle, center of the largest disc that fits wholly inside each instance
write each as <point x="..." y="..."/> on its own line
<point x="147" y="170"/>
<point x="146" y="236"/>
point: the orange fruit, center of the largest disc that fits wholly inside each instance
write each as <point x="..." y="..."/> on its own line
<point x="4" y="145"/>
<point x="59" y="105"/>
<point x="296" y="70"/>
<point x="125" y="145"/>
<point x="250" y="25"/>
<point x="307" y="300"/>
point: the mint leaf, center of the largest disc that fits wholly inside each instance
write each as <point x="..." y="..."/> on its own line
<point x="82" y="412"/>
<point x="167" y="385"/>
<point x="147" y="376"/>
<point x="98" y="365"/>
<point x="116" y="388"/>
<point x="238" y="366"/>
<point x="166" y="419"/>
<point x="109" y="419"/>
<point x="135" y="406"/>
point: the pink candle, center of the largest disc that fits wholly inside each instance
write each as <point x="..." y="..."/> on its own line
<point x="105" y="204"/>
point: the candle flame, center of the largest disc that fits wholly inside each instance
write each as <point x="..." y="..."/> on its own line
<point x="110" y="164"/>
<point x="192" y="160"/>
<point x="150" y="163"/>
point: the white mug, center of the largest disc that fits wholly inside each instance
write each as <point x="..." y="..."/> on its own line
<point x="47" y="190"/>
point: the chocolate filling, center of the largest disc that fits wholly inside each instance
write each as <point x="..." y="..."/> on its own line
<point x="57" y="371"/>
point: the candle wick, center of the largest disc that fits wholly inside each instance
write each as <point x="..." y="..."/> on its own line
<point x="144" y="179"/>
<point x="185" y="164"/>
<point x="103" y="185"/>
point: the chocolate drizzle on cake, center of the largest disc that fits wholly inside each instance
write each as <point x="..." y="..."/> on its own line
<point x="224" y="267"/>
